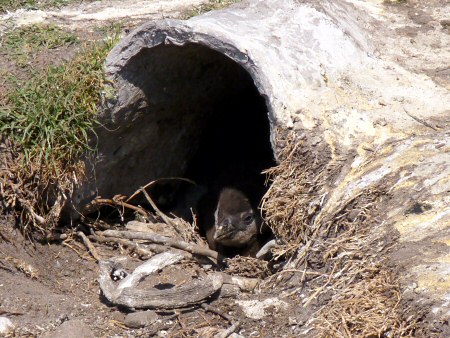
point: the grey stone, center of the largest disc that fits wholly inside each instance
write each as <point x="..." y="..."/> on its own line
<point x="140" y="319"/>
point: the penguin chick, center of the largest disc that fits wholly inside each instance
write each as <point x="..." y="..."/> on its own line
<point x="237" y="223"/>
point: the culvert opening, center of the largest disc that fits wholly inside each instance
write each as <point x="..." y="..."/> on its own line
<point x="199" y="115"/>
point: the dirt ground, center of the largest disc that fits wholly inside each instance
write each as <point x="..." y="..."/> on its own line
<point x="51" y="289"/>
<point x="45" y="285"/>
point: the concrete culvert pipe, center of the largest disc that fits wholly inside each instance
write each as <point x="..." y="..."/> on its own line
<point x="194" y="110"/>
<point x="189" y="97"/>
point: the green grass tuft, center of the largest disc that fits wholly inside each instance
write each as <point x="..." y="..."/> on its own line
<point x="23" y="43"/>
<point x="52" y="115"/>
<point x="12" y="5"/>
<point x="211" y="5"/>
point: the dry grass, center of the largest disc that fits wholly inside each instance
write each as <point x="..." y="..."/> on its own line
<point x="369" y="307"/>
<point x="340" y="253"/>
<point x="23" y="44"/>
<point x="247" y="267"/>
<point x="46" y="127"/>
<point x="33" y="194"/>
<point x="287" y="204"/>
<point x="12" y="5"/>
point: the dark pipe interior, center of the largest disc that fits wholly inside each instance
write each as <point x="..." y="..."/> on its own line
<point x="209" y="122"/>
<point x="235" y="140"/>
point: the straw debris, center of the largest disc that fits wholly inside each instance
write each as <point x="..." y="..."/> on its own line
<point x="367" y="308"/>
<point x="338" y="254"/>
<point x="295" y="182"/>
<point x="33" y="195"/>
<point x="247" y="267"/>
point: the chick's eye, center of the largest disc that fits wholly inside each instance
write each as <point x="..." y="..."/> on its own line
<point x="248" y="219"/>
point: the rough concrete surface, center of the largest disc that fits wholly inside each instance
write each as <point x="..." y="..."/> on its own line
<point x="344" y="71"/>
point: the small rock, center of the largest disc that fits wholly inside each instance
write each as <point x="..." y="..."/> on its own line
<point x="255" y="309"/>
<point x="315" y="140"/>
<point x="140" y="319"/>
<point x="207" y="267"/>
<point x="74" y="328"/>
<point x="162" y="333"/>
<point x="445" y="24"/>
<point x="6" y="326"/>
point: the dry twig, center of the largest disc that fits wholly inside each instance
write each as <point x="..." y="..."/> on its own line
<point x="130" y="244"/>
<point x="234" y="324"/>
<point x="116" y="203"/>
<point x="158" y="239"/>
<point x="89" y="246"/>
<point x="156" y="181"/>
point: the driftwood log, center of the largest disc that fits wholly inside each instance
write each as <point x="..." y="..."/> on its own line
<point x="126" y="293"/>
<point x="365" y="113"/>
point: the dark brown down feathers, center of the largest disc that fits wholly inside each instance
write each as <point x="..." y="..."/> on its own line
<point x="237" y="225"/>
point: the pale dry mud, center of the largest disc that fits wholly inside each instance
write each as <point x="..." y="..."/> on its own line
<point x="416" y="35"/>
<point x="85" y="15"/>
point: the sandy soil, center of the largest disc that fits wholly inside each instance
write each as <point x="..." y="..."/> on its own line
<point x="418" y="37"/>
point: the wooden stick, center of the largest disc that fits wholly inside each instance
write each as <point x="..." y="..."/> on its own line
<point x="158" y="180"/>
<point x="234" y="325"/>
<point x="129" y="244"/>
<point x="106" y="201"/>
<point x="158" y="239"/>
<point x="228" y="332"/>
<point x="149" y="250"/>
<point x="89" y="246"/>
<point x="209" y="308"/>
<point x="165" y="218"/>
